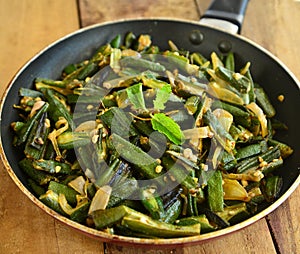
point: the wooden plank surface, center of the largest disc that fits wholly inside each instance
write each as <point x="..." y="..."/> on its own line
<point x="27" y="26"/>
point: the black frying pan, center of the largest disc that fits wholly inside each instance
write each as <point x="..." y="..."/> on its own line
<point x="268" y="71"/>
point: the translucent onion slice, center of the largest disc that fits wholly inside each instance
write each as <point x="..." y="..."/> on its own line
<point x="200" y="132"/>
<point x="224" y="117"/>
<point x="261" y="117"/>
<point x="101" y="198"/>
<point x="233" y="190"/>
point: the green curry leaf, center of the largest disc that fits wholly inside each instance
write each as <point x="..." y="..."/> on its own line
<point x="162" y="96"/>
<point x="167" y="126"/>
<point x="136" y="97"/>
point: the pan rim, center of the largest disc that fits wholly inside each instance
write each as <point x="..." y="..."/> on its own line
<point x="124" y="239"/>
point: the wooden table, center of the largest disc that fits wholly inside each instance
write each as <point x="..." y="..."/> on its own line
<point x="26" y="26"/>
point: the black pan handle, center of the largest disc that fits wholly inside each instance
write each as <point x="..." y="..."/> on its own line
<point x="227" y="10"/>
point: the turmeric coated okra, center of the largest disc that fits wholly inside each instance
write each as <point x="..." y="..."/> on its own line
<point x="150" y="142"/>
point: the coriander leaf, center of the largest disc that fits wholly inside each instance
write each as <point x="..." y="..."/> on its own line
<point x="136" y="97"/>
<point x="167" y="126"/>
<point x="162" y="96"/>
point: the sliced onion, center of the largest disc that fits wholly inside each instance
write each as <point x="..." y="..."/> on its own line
<point x="78" y="184"/>
<point x="86" y="126"/>
<point x="261" y="117"/>
<point x="224" y="117"/>
<point x="101" y="198"/>
<point x="233" y="190"/>
<point x="36" y="106"/>
<point x="200" y="132"/>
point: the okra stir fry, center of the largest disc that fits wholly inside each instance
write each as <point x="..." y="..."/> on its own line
<point x="145" y="142"/>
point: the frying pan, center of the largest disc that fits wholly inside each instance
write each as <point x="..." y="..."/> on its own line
<point x="266" y="69"/>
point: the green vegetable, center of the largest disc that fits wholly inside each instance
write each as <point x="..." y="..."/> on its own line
<point x="215" y="192"/>
<point x="140" y="160"/>
<point x="152" y="203"/>
<point x="165" y="125"/>
<point x="161" y="144"/>
<point x="64" y="189"/>
<point x="135" y="95"/>
<point x="162" y="96"/>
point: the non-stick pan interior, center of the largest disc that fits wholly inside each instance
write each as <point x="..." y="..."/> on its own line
<point x="266" y="71"/>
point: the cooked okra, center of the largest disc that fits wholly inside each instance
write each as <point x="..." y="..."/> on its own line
<point x="151" y="142"/>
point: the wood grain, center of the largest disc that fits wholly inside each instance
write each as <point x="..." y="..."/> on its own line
<point x="26" y="27"/>
<point x="29" y="25"/>
<point x="280" y="36"/>
<point x="93" y="11"/>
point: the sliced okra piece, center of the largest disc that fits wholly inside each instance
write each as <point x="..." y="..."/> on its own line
<point x="215" y="194"/>
<point x="37" y="139"/>
<point x="238" y="81"/>
<point x="56" y="85"/>
<point x="148" y="226"/>
<point x="285" y="150"/>
<point x="116" y="41"/>
<point x="153" y="203"/>
<point x="140" y="160"/>
<point x="52" y="167"/>
<point x="106" y="173"/>
<point x="23" y="132"/>
<point x="50" y="199"/>
<point x="264" y="102"/>
<point x="122" y="191"/>
<point x="248" y="151"/>
<point x="178" y="173"/>
<point x="69" y="140"/>
<point x="229" y="62"/>
<point x="38" y="176"/>
<point x="206" y="226"/>
<point x="271" y="187"/>
<point x="227" y="157"/>
<point x="122" y="230"/>
<point x="69" y="192"/>
<point x="199" y="59"/>
<point x="80" y="213"/>
<point x="122" y="173"/>
<point x="180" y="62"/>
<point x="129" y="40"/>
<point x="70" y="68"/>
<point x="118" y="121"/>
<point x="192" y="209"/>
<point x="153" y="49"/>
<point x="231" y="211"/>
<point x="108" y="217"/>
<point x="29" y="93"/>
<point x="172" y="212"/>
<point x="254" y="162"/>
<point x="57" y="106"/>
<point x="49" y="153"/>
<point x="85" y="157"/>
<point x="271" y="166"/>
<point x="234" y="131"/>
<point x="192" y="104"/>
<point x="213" y="217"/>
<point x="87" y="70"/>
<point x="170" y="197"/>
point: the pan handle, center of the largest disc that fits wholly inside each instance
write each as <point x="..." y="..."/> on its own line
<point x="226" y="14"/>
